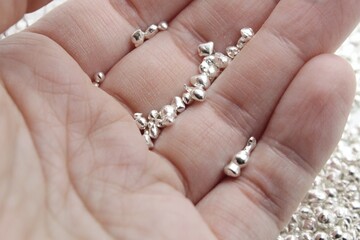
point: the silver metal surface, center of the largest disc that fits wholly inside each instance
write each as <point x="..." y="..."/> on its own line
<point x="206" y="49"/>
<point x="168" y="115"/>
<point x="141" y="122"/>
<point x="163" y="26"/>
<point x="178" y="104"/>
<point x="198" y="94"/>
<point x="241" y="159"/>
<point x="138" y="37"/>
<point x="221" y="61"/>
<point x="232" y="51"/>
<point x="99" y="77"/>
<point x="151" y="31"/>
<point x="246" y="34"/>
<point x="200" y="80"/>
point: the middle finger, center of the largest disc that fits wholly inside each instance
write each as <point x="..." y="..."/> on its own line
<point x="241" y="101"/>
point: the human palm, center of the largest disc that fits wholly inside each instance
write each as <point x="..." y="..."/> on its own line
<point x="74" y="165"/>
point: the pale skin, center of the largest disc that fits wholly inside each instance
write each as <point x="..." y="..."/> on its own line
<point x="73" y="164"/>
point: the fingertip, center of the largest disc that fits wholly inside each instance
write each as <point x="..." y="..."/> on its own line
<point x="333" y="72"/>
<point x="312" y="113"/>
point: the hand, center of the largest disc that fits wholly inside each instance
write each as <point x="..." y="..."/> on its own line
<point x="74" y="165"/>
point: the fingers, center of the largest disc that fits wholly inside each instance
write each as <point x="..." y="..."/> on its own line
<point x="96" y="33"/>
<point x="163" y="65"/>
<point x="11" y="10"/>
<point x="300" y="136"/>
<point x="132" y="84"/>
<point x="243" y="98"/>
<point x="286" y="45"/>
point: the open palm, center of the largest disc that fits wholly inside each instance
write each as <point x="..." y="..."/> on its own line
<point x="73" y="164"/>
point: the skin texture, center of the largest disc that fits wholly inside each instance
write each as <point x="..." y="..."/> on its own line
<point x="73" y="164"/>
<point x="12" y="10"/>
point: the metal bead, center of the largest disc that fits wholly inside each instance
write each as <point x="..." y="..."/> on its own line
<point x="168" y="115"/>
<point x="198" y="94"/>
<point x="317" y="181"/>
<point x="96" y="84"/>
<point x="246" y="34"/>
<point x="309" y="224"/>
<point x="141" y="122"/>
<point x="187" y="99"/>
<point x="341" y="185"/>
<point x="345" y="223"/>
<point x="347" y="236"/>
<point x="357" y="228"/>
<point x="352" y="188"/>
<point x="154" y="131"/>
<point x="151" y="31"/>
<point x="209" y="59"/>
<point x="305" y="212"/>
<point x="315" y="195"/>
<point x="242" y="158"/>
<point x="163" y="26"/>
<point x="148" y="140"/>
<point x="99" y="77"/>
<point x="153" y="115"/>
<point x="232" y="169"/>
<point x="209" y="68"/>
<point x="291" y="227"/>
<point x="355" y="205"/>
<point x="232" y="51"/>
<point x="138" y="37"/>
<point x="321" y="236"/>
<point x="137" y="115"/>
<point x="178" y="104"/>
<point x="187" y="88"/>
<point x="306" y="236"/>
<point x="341" y="212"/>
<point x="295" y="219"/>
<point x="335" y="163"/>
<point x="291" y="237"/>
<point x="325" y="218"/>
<point x="318" y="208"/>
<point x="206" y="49"/>
<point x="331" y="192"/>
<point x="221" y="60"/>
<point x="337" y="233"/>
<point x="240" y="44"/>
<point x="353" y="171"/>
<point x="200" y="80"/>
<point x="251" y="144"/>
<point x="334" y="175"/>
